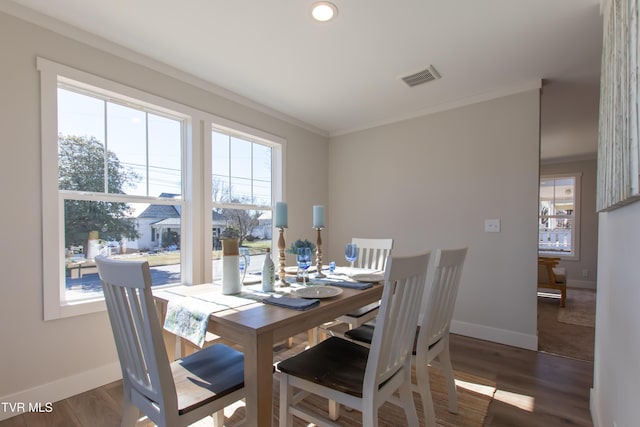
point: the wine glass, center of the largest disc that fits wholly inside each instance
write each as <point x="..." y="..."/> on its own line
<point x="351" y="252"/>
<point x="303" y="258"/>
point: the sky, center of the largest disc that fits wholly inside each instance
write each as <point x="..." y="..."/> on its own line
<point x="150" y="144"/>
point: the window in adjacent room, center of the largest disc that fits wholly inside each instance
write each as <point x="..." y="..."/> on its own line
<point x="558" y="216"/>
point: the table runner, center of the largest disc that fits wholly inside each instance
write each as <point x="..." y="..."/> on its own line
<point x="188" y="317"/>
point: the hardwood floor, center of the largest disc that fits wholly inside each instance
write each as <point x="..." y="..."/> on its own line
<point x="533" y="389"/>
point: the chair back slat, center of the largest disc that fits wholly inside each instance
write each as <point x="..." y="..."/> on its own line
<point x="136" y="329"/>
<point x="127" y="343"/>
<point x="372" y="253"/>
<point x="394" y="334"/>
<point x="441" y="298"/>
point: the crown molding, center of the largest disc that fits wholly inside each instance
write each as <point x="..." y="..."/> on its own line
<point x="488" y="96"/>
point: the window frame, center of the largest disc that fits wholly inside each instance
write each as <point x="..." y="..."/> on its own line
<point x="278" y="146"/>
<point x="575" y="230"/>
<point x="196" y="174"/>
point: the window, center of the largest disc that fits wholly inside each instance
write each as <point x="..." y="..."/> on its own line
<point x="242" y="177"/>
<point x="558" y="216"/>
<point x="122" y="176"/>
<point x="106" y="152"/>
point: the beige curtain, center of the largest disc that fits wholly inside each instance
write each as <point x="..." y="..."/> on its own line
<point x="618" y="141"/>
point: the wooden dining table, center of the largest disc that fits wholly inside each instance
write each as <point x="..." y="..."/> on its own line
<point x="257" y="326"/>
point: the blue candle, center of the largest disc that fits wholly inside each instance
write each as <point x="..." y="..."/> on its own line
<point x="318" y="216"/>
<point x="281" y="215"/>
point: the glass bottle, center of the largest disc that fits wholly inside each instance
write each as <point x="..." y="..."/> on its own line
<point x="268" y="272"/>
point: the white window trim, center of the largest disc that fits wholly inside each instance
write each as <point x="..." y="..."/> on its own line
<point x="196" y="195"/>
<point x="575" y="235"/>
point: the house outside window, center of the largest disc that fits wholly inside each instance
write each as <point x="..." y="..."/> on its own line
<point x="123" y="177"/>
<point x="558" y="216"/>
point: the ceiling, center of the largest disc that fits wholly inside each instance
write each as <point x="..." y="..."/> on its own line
<point x="344" y="75"/>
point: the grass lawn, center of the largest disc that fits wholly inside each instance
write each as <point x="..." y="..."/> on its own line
<point x="167" y="258"/>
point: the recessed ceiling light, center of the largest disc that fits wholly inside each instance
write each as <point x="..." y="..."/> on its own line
<point x="323" y="11"/>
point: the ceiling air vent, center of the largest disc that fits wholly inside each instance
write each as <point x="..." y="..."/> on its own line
<point x="423" y="76"/>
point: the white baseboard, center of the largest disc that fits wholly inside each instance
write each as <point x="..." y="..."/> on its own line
<point x="45" y="394"/>
<point x="593" y="408"/>
<point x="501" y="336"/>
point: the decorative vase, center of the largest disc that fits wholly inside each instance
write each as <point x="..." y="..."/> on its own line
<point x="93" y="245"/>
<point x="230" y="246"/>
<point x="231" y="279"/>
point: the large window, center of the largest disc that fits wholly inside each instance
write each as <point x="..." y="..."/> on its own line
<point x="114" y="162"/>
<point x="123" y="176"/>
<point x="241" y="194"/>
<point x="558" y="216"/>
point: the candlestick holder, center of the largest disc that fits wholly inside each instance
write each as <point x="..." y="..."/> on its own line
<point x="281" y="246"/>
<point x="319" y="273"/>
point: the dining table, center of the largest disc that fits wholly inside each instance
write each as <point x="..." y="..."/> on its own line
<point x="256" y="326"/>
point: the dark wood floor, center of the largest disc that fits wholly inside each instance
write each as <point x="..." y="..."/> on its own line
<point x="533" y="389"/>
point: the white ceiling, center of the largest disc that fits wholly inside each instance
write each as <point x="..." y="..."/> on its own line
<point x="344" y="75"/>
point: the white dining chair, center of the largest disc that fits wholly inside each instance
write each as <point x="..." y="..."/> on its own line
<point x="372" y="254"/>
<point x="432" y="333"/>
<point x="169" y="394"/>
<point x="356" y="376"/>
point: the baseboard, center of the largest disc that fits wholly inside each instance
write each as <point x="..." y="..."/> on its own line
<point x="593" y="408"/>
<point x="41" y="397"/>
<point x="501" y="336"/>
<point x="583" y="284"/>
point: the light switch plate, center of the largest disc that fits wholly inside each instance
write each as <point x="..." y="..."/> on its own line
<point x="492" y="225"/>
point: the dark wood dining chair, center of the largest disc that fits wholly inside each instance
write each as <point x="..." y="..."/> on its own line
<point x="356" y="376"/>
<point x="169" y="394"/>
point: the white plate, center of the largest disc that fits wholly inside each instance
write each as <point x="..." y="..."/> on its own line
<point x="292" y="269"/>
<point x="318" y="292"/>
<point x="368" y="277"/>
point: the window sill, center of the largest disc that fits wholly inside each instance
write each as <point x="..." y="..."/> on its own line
<point x="72" y="308"/>
<point x="75" y="308"/>
<point x="562" y="256"/>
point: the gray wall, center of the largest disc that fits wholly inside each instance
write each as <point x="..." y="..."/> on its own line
<point x="431" y="182"/>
